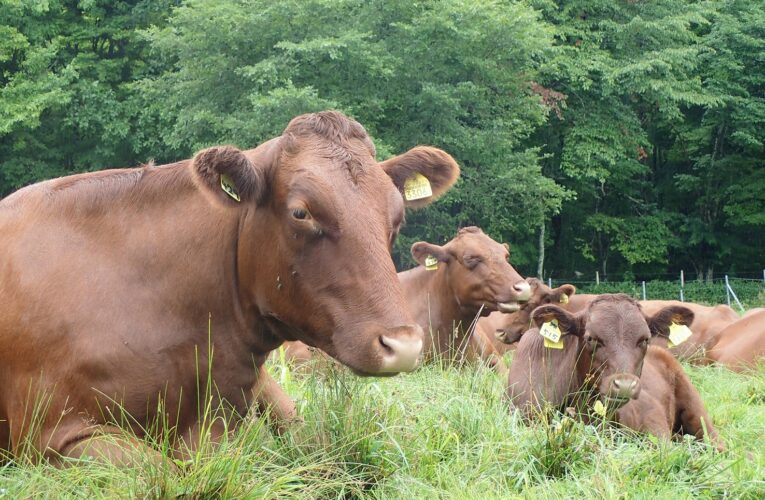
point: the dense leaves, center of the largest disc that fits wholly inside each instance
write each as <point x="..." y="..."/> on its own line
<point x="623" y="136"/>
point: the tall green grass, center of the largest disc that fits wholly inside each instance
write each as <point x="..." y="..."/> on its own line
<point x="438" y="432"/>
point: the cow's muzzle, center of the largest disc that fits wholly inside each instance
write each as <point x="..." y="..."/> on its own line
<point x="622" y="388"/>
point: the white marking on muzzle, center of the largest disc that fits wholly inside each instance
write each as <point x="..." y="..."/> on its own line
<point x="405" y="354"/>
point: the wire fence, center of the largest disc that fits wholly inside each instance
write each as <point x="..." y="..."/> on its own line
<point x="740" y="293"/>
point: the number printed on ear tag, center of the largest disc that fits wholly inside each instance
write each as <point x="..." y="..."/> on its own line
<point x="550" y="330"/>
<point x="431" y="263"/>
<point x="417" y="187"/>
<point x="678" y="334"/>
<point x="228" y="186"/>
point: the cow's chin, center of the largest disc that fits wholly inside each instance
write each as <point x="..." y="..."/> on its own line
<point x="613" y="403"/>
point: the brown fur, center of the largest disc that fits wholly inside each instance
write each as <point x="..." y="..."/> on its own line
<point x="606" y="356"/>
<point x="741" y="345"/>
<point x="123" y="286"/>
<point x="708" y="322"/>
<point x="446" y="301"/>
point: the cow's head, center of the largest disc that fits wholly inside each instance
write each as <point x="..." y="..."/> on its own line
<point x="615" y="335"/>
<point x="517" y="323"/>
<point x="318" y="216"/>
<point x="478" y="271"/>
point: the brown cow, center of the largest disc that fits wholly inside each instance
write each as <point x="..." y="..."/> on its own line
<point x="606" y="357"/>
<point x="741" y="344"/>
<point x="471" y="274"/>
<point x="119" y="286"/>
<point x="708" y="322"/>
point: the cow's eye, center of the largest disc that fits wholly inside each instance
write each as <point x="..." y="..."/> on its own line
<point x="299" y="214"/>
<point x="643" y="343"/>
<point x="471" y="262"/>
<point x="593" y="343"/>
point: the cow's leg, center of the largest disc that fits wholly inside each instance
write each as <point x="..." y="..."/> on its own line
<point x="271" y="399"/>
<point x="692" y="416"/>
<point x="108" y="444"/>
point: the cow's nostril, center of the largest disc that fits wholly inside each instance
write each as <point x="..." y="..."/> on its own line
<point x="400" y="353"/>
<point x="388" y="348"/>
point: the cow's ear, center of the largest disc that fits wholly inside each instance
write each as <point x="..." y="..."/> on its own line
<point x="227" y="174"/>
<point x="421" y="250"/>
<point x="421" y="170"/>
<point x="563" y="293"/>
<point x="660" y="322"/>
<point x="569" y="323"/>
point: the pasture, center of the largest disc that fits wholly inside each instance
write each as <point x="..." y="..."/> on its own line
<point x="438" y="432"/>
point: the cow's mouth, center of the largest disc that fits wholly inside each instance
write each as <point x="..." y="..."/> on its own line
<point x="509" y="307"/>
<point x="614" y="403"/>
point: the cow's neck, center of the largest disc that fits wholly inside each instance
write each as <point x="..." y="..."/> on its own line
<point x="435" y="307"/>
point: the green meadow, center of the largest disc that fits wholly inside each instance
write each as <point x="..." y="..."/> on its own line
<point x="438" y="432"/>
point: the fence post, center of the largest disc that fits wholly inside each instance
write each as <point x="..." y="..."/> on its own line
<point x="763" y="275"/>
<point x="644" y="290"/>
<point x="682" y="286"/>
<point x="549" y="282"/>
<point x="727" y="289"/>
<point x="597" y="277"/>
<point x="731" y="292"/>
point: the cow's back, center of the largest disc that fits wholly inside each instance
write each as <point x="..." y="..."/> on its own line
<point x="741" y="344"/>
<point x="105" y="286"/>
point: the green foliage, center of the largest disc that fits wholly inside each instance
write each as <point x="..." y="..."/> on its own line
<point x="631" y="132"/>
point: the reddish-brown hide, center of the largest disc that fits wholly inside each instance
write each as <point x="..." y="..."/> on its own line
<point x="473" y="276"/>
<point x="606" y="357"/>
<point x="108" y="280"/>
<point x="708" y="322"/>
<point x="741" y="344"/>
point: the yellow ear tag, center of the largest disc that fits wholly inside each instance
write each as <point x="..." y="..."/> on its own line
<point x="227" y="185"/>
<point x="599" y="408"/>
<point x="431" y="263"/>
<point x="678" y="334"/>
<point x="552" y="334"/>
<point x="564" y="299"/>
<point x="417" y="187"/>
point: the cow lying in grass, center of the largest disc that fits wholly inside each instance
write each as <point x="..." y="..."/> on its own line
<point x="159" y="291"/>
<point x="603" y="355"/>
<point x="741" y="344"/>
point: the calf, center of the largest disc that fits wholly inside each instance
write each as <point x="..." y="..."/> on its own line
<point x="604" y="355"/>
<point x="457" y="282"/>
<point x="741" y="344"/>
<point x="708" y="322"/>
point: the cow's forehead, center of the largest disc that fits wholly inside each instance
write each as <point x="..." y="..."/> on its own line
<point x="338" y="176"/>
<point x="477" y="243"/>
<point x="616" y="317"/>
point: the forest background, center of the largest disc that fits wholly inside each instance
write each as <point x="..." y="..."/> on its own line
<point x="625" y="137"/>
